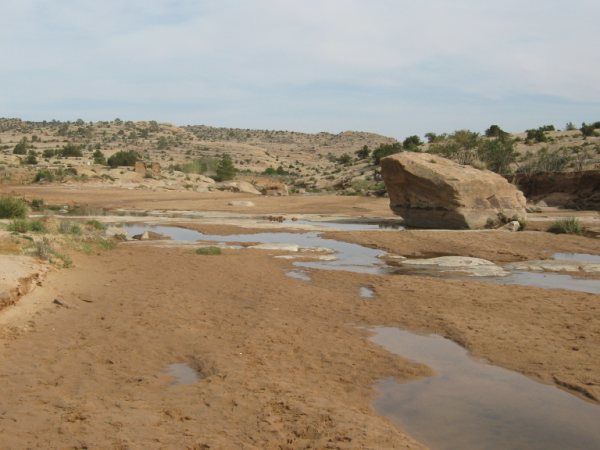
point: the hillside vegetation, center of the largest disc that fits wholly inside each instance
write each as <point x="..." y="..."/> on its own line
<point x="105" y="152"/>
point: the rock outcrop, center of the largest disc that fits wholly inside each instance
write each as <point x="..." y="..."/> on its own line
<point x="429" y="191"/>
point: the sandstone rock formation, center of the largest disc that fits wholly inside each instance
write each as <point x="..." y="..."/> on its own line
<point x="429" y="191"/>
<point x="271" y="187"/>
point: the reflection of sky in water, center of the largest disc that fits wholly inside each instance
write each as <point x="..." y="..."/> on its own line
<point x="356" y="258"/>
<point x="471" y="404"/>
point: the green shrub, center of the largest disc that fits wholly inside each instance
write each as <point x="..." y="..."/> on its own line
<point x="71" y="151"/>
<point x="572" y="225"/>
<point x="412" y="143"/>
<point x="31" y="158"/>
<point x="123" y="158"/>
<point x="11" y="207"/>
<point x="225" y="169"/>
<point x="37" y="204"/>
<point x="208" y="251"/>
<point x="363" y="153"/>
<point x="95" y="224"/>
<point x="99" y="158"/>
<point x="386" y="150"/>
<point x="44" y="175"/>
<point x="24" y="225"/>
<point x="66" y="227"/>
<point x="22" y="147"/>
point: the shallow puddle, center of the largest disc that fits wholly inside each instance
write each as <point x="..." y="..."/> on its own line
<point x="182" y="373"/>
<point x="552" y="281"/>
<point x="349" y="226"/>
<point x="366" y="292"/>
<point x="350" y="257"/>
<point x="470" y="404"/>
<point x="356" y="258"/>
<point x="581" y="257"/>
<point x="298" y="275"/>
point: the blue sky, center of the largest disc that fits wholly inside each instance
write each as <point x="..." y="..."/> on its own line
<point x="389" y="66"/>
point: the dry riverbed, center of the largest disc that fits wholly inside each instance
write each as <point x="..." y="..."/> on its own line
<point x="155" y="346"/>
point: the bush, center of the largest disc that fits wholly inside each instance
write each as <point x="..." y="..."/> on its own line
<point x="197" y="166"/>
<point x="44" y="175"/>
<point x="22" y="147"/>
<point x="497" y="154"/>
<point x="412" y="143"/>
<point x="31" y="158"/>
<point x="589" y="130"/>
<point x="71" y="151"/>
<point x="99" y="158"/>
<point x="538" y="135"/>
<point x="496" y="131"/>
<point x="37" y="204"/>
<point x="460" y="146"/>
<point x="123" y="158"/>
<point x="11" y="207"/>
<point x="208" y="251"/>
<point x="95" y="224"/>
<point x="67" y="227"/>
<point x="572" y="225"/>
<point x="49" y="153"/>
<point x="225" y="169"/>
<point x="24" y="225"/>
<point x="345" y="159"/>
<point x="363" y="153"/>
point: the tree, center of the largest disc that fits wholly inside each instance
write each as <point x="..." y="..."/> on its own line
<point x="225" y="169"/>
<point x="498" y="154"/>
<point x="123" y="158"/>
<point x="412" y="143"/>
<point x="31" y="158"/>
<point x="386" y="150"/>
<point x="363" y="153"/>
<point x="99" y="158"/>
<point x="496" y="132"/>
<point x="22" y="147"/>
<point x="71" y="151"/>
<point x="537" y="135"/>
<point x="431" y="137"/>
<point x="345" y="159"/>
<point x="570" y="126"/>
<point x="588" y="130"/>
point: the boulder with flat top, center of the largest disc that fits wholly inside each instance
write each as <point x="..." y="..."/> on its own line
<point x="429" y="191"/>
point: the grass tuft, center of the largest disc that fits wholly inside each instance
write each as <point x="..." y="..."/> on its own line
<point x="572" y="225"/>
<point x="208" y="251"/>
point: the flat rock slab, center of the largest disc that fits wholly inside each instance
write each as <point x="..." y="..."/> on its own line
<point x="473" y="266"/>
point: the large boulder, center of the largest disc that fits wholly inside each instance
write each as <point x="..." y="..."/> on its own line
<point x="429" y="191"/>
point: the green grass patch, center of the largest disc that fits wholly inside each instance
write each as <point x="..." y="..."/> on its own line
<point x="96" y="225"/>
<point x="572" y="225"/>
<point x="208" y="251"/>
<point x="25" y="226"/>
<point x="67" y="227"/>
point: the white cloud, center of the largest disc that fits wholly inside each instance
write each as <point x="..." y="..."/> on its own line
<point x="380" y="56"/>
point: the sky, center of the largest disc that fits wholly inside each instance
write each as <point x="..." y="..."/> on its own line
<point x="393" y="67"/>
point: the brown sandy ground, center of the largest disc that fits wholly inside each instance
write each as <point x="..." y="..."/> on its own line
<point x="285" y="362"/>
<point x="494" y="245"/>
<point x="195" y="201"/>
<point x="282" y="368"/>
